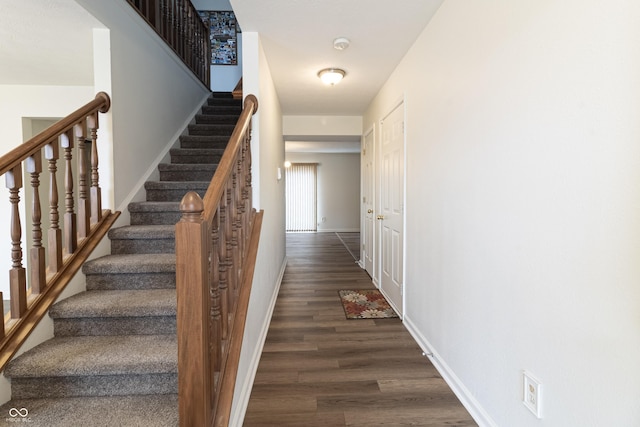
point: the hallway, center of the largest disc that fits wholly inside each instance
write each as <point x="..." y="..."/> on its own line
<point x="320" y="369"/>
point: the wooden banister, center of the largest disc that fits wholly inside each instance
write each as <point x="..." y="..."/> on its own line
<point x="35" y="287"/>
<point x="216" y="247"/>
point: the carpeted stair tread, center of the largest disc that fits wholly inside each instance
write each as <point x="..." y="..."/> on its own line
<point x="204" y="141"/>
<point x="223" y="101"/>
<point x="186" y="171"/>
<point x="196" y="155"/>
<point x="166" y="210"/>
<point x="216" y="119"/>
<point x="96" y="356"/>
<point x="160" y="231"/>
<point x="117" y="303"/>
<point x="103" y="411"/>
<point x="159" y="206"/>
<point x="204" y="152"/>
<point x="211" y="129"/>
<point x="171" y="191"/>
<point x="187" y="167"/>
<point x="175" y="185"/>
<point x="131" y="263"/>
<point x="230" y="109"/>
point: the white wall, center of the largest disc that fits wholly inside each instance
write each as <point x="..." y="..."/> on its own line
<point x="322" y="125"/>
<point x="267" y="150"/>
<point x="338" y="189"/>
<point x="523" y="205"/>
<point x="16" y="103"/>
<point x="154" y="96"/>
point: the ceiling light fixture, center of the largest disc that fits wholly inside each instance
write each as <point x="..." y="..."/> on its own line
<point x="331" y="76"/>
<point x="341" y="43"/>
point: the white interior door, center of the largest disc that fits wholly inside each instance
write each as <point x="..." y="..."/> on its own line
<point x="368" y="246"/>
<point x="391" y="213"/>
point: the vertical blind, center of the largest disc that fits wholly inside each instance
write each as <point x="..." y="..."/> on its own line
<point x="301" y="197"/>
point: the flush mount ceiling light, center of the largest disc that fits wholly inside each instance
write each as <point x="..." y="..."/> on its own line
<point x="341" y="43"/>
<point x="331" y="76"/>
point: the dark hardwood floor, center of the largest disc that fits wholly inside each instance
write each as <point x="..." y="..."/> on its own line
<point x="320" y="369"/>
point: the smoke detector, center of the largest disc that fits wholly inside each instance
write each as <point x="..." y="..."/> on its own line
<point x="341" y="43"/>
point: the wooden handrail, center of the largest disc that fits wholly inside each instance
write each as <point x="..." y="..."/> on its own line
<point x="237" y="91"/>
<point x="216" y="247"/>
<point x="35" y="288"/>
<point x="101" y="104"/>
<point x="178" y="23"/>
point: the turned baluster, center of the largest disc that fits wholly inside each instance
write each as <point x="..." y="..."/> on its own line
<point x="96" y="192"/>
<point x="37" y="256"/>
<point x="51" y="153"/>
<point x="216" y="324"/>
<point x="228" y="230"/>
<point x="222" y="266"/>
<point x="17" y="275"/>
<point x="233" y="226"/>
<point x="240" y="210"/>
<point x="246" y="202"/>
<point x="70" y="231"/>
<point x="84" y="211"/>
<point x="181" y="46"/>
<point x="249" y="188"/>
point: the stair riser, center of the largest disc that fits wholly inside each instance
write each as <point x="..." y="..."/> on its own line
<point x="224" y="102"/>
<point x="183" y="176"/>
<point x="169" y="196"/>
<point x="227" y="110"/>
<point x="111" y="281"/>
<point x="150" y="325"/>
<point x="203" y="119"/>
<point x="157" y="218"/>
<point x="103" y="385"/>
<point x="218" y="144"/>
<point x="211" y="130"/>
<point x="143" y="246"/>
<point x="195" y="159"/>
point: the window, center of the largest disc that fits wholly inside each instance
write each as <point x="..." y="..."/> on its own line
<point x="301" y="197"/>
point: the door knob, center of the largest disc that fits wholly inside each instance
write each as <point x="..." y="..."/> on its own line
<point x="370" y="211"/>
<point x="380" y="217"/>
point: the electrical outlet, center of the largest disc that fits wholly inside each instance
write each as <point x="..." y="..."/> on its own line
<point x="532" y="394"/>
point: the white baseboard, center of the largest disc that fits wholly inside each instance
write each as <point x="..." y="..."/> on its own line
<point x="464" y="395"/>
<point x="238" y="417"/>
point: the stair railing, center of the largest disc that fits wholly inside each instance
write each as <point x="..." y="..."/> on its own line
<point x="216" y="247"/>
<point x="56" y="258"/>
<point x="180" y="26"/>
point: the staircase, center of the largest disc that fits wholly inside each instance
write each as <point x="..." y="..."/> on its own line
<point x="113" y="360"/>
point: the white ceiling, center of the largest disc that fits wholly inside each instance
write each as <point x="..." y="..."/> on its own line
<point x="45" y="42"/>
<point x="297" y="37"/>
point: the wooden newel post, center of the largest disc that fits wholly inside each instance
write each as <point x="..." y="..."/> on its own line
<point x="193" y="238"/>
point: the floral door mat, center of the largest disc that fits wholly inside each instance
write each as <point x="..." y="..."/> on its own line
<point x="365" y="304"/>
